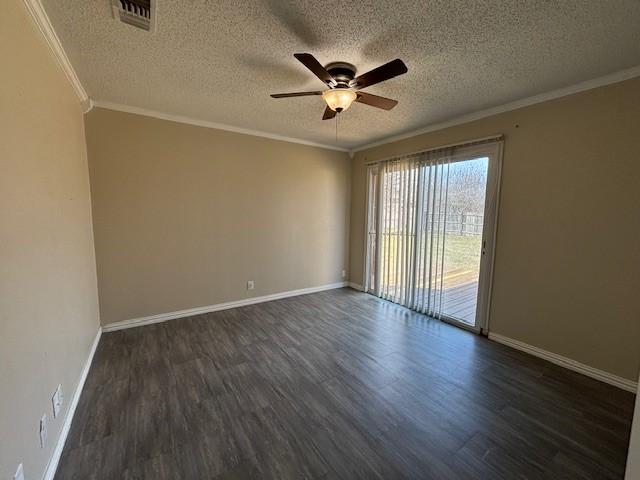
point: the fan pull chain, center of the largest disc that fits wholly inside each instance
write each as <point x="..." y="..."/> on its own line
<point x="337" y="115"/>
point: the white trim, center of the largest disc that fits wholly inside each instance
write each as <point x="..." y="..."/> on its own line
<point x="39" y="15"/>
<point x="50" y="472"/>
<point x="524" y="102"/>
<point x="356" y="286"/>
<point x="489" y="234"/>
<point x="87" y="105"/>
<point x="205" y="123"/>
<point x="565" y="362"/>
<point x="365" y="237"/>
<point x="163" y="317"/>
<point x="42" y="21"/>
<point x="469" y="145"/>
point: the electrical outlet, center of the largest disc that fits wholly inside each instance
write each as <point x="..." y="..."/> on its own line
<point x="43" y="430"/>
<point x="19" y="473"/>
<point x="251" y="285"/>
<point x="57" y="400"/>
<point x="344" y="273"/>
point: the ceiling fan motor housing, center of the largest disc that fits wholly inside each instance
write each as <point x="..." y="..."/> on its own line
<point x="344" y="87"/>
<point x="342" y="72"/>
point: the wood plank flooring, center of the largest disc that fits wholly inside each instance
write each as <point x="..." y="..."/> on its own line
<point x="337" y="384"/>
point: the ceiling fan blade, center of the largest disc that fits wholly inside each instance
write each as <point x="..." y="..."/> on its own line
<point x="314" y="65"/>
<point x="380" y="74"/>
<point x="328" y="114"/>
<point x="376" y="101"/>
<point x="296" y="94"/>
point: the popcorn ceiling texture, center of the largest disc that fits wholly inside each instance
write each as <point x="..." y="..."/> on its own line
<point x="219" y="60"/>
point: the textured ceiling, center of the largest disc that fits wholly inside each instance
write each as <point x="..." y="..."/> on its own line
<point x="219" y="60"/>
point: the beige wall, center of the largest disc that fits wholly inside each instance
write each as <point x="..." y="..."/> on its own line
<point x="567" y="271"/>
<point x="185" y="215"/>
<point x="48" y="298"/>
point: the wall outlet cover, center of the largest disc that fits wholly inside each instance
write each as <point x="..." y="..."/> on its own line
<point x="344" y="273"/>
<point x="43" y="430"/>
<point x="56" y="400"/>
<point x="19" y="473"/>
<point x="251" y="285"/>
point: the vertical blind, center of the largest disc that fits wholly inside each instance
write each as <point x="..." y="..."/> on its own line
<point x="407" y="236"/>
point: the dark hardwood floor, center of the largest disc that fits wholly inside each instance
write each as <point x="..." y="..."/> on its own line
<point x="336" y="384"/>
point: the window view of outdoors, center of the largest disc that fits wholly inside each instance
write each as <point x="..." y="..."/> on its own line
<point x="463" y="238"/>
<point x="430" y="238"/>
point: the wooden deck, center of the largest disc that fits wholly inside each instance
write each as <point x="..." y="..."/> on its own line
<point x="460" y="295"/>
<point x="459" y="302"/>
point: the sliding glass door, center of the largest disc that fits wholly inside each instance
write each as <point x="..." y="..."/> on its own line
<point x="463" y="229"/>
<point x="430" y="230"/>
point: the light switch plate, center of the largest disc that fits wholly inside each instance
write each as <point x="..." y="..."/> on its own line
<point x="19" y="473"/>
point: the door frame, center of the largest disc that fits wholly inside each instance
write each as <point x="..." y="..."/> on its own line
<point x="492" y="149"/>
<point x="366" y="287"/>
<point x="489" y="236"/>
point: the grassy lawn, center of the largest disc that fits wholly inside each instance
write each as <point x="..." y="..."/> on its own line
<point x="462" y="252"/>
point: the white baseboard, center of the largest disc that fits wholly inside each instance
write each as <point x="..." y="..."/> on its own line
<point x="163" y="317"/>
<point x="565" y="362"/>
<point x="50" y="472"/>
<point x="356" y="286"/>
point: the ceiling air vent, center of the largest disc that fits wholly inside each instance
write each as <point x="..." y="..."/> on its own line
<point x="139" y="13"/>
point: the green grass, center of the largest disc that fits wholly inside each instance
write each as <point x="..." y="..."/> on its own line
<point x="461" y="251"/>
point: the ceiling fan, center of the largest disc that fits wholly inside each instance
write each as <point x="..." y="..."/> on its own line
<point x="344" y="86"/>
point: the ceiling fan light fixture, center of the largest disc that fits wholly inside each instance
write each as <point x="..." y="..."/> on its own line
<point x="344" y="87"/>
<point x="339" y="99"/>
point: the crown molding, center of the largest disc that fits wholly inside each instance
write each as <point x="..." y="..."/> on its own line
<point x="204" y="123"/>
<point x="525" y="102"/>
<point x="87" y="105"/>
<point x="41" y="19"/>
